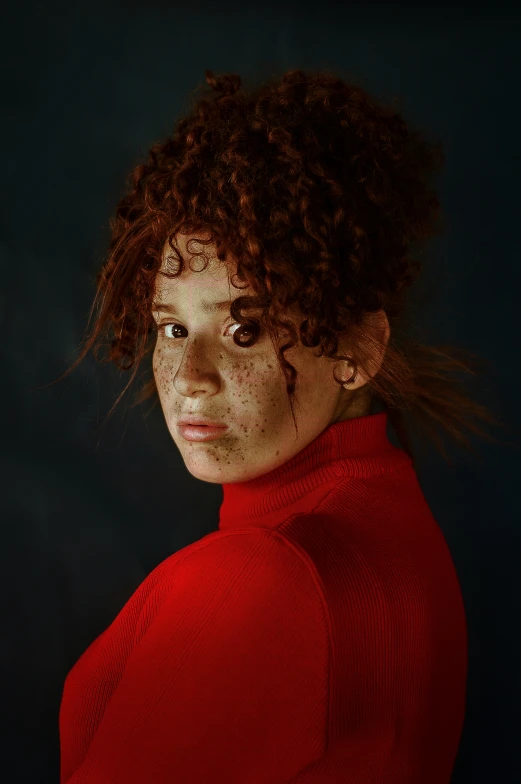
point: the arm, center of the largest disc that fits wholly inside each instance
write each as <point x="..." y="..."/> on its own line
<point x="229" y="681"/>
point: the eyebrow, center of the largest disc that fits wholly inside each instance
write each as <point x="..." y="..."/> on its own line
<point x="207" y="307"/>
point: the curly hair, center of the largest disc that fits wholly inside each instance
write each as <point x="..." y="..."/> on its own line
<point x="322" y="196"/>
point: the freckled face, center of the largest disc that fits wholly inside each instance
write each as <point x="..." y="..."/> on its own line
<point x="198" y="368"/>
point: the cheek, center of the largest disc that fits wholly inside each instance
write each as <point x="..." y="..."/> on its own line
<point x="252" y="383"/>
<point x="260" y="393"/>
<point x="156" y="360"/>
<point x="160" y="368"/>
<point x="251" y="391"/>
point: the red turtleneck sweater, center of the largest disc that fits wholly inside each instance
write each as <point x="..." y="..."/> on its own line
<point x="318" y="635"/>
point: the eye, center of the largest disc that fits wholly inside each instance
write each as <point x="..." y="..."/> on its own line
<point x="251" y="331"/>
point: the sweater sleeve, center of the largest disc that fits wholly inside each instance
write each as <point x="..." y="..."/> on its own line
<point x="228" y="678"/>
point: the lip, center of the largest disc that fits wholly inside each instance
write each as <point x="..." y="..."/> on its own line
<point x="200" y="433"/>
<point x="193" y="419"/>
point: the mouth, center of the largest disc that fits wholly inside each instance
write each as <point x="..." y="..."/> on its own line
<point x="192" y="432"/>
<point x="199" y="423"/>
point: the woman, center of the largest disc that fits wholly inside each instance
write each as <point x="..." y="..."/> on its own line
<point x="319" y="634"/>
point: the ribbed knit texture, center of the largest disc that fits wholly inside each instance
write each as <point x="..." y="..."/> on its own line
<point x="318" y="635"/>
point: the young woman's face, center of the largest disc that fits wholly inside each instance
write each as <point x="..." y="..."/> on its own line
<point x="200" y="370"/>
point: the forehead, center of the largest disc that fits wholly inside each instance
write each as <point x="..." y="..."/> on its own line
<point x="205" y="280"/>
<point x="197" y="257"/>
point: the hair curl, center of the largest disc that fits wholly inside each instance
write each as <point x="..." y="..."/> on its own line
<point x="322" y="196"/>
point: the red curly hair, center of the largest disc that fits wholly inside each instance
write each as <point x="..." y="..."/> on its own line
<point x="322" y="195"/>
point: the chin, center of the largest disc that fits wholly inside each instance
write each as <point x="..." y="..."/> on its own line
<point x="221" y="476"/>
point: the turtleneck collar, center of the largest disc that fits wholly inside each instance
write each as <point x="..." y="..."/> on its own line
<point x="352" y="449"/>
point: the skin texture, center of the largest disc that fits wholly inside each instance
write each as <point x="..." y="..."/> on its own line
<point x="199" y="369"/>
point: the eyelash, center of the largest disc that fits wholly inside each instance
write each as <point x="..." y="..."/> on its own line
<point x="160" y="328"/>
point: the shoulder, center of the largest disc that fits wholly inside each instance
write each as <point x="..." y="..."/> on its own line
<point x="250" y="570"/>
<point x="245" y="554"/>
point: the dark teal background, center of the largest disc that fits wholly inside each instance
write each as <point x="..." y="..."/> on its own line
<point x="87" y="511"/>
